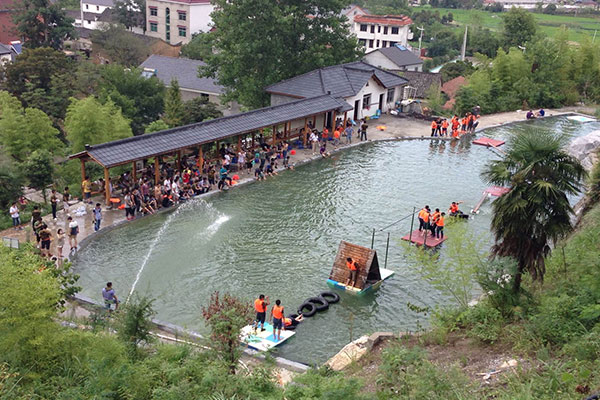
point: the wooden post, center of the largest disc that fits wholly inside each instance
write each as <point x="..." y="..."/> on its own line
<point x="285" y="131"/>
<point x="324" y="121"/>
<point x="253" y="140"/>
<point x="345" y="119"/>
<point x="305" y="132"/>
<point x="239" y="148"/>
<point x="273" y="139"/>
<point x="107" y="187"/>
<point x="314" y="121"/>
<point x="334" y="116"/>
<point x="133" y="172"/>
<point x="217" y="144"/>
<point x="179" y="160"/>
<point x="156" y="171"/>
<point x="82" y="169"/>
<point x="200" y="159"/>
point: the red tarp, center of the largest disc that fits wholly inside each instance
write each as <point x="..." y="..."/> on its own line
<point x="485" y="141"/>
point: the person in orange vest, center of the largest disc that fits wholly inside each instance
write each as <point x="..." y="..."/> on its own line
<point x="464" y="123"/>
<point x="434" y="218"/>
<point x="290" y="323"/>
<point x="444" y="127"/>
<point x="336" y="137"/>
<point x="434" y="126"/>
<point x="260" y="306"/>
<point x="439" y="226"/>
<point x="455" y="125"/>
<point x="353" y="271"/>
<point x="325" y="135"/>
<point x="424" y="218"/>
<point x="277" y="319"/>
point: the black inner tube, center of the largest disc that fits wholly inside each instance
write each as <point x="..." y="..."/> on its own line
<point x="312" y="309"/>
<point x="331" y="297"/>
<point x="320" y="303"/>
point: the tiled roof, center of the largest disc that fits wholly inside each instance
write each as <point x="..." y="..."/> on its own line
<point x="138" y="147"/>
<point x="344" y="80"/>
<point x="451" y="87"/>
<point x="4" y="49"/>
<point x="88" y="16"/>
<point x="400" y="57"/>
<point x="184" y="70"/>
<point x="389" y="20"/>
<point x="422" y="81"/>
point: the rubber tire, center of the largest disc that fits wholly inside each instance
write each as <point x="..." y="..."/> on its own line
<point x="312" y="309"/>
<point x="320" y="303"/>
<point x="333" y="297"/>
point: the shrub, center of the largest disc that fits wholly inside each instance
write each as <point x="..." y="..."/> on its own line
<point x="484" y="322"/>
<point x="134" y="323"/>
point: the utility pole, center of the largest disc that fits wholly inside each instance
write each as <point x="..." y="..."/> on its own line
<point x="420" y="39"/>
<point x="464" y="45"/>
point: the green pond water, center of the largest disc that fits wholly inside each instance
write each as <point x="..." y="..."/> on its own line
<point x="279" y="237"/>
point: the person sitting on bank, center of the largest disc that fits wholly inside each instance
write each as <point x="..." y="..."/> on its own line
<point x="530" y="115"/>
<point x="353" y="271"/>
<point x="277" y="319"/>
<point x="260" y="306"/>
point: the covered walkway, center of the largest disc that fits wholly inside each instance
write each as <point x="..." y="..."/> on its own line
<point x="283" y="122"/>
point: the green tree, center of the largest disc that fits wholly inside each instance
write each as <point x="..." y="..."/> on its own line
<point x="10" y="186"/>
<point x="227" y="315"/>
<point x="120" y="46"/>
<point x="536" y="212"/>
<point x="135" y="324"/>
<point x="456" y="69"/>
<point x="518" y="26"/>
<point x="91" y="122"/>
<point x="174" y="112"/>
<point x="200" y="109"/>
<point x="155" y="126"/>
<point x="435" y="99"/>
<point x="39" y="170"/>
<point x="24" y="130"/>
<point x="484" y="41"/>
<point x="131" y="13"/>
<point x="260" y="42"/>
<point x="43" y="24"/>
<point x="198" y="48"/>
<point x="141" y="99"/>
<point x="41" y="78"/>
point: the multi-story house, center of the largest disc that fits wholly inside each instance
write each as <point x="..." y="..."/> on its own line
<point x="378" y="31"/>
<point x="175" y="21"/>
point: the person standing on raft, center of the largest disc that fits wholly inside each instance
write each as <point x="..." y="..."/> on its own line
<point x="439" y="227"/>
<point x="260" y="306"/>
<point x="424" y="218"/>
<point x="353" y="272"/>
<point x="277" y="319"/>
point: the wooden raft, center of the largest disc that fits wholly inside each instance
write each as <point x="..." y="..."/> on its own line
<point x="368" y="266"/>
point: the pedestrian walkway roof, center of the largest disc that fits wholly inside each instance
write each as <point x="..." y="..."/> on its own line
<point x="149" y="145"/>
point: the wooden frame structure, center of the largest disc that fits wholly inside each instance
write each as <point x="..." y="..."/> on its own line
<point x="192" y="137"/>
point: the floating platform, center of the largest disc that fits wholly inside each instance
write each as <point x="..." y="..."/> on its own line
<point x="489" y="142"/>
<point x="420" y="239"/>
<point x="497" y="190"/>
<point x="263" y="341"/>
<point x="369" y="286"/>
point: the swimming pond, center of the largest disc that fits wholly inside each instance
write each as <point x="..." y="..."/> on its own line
<point x="279" y="237"/>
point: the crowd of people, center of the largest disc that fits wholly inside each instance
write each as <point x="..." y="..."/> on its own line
<point x="434" y="222"/>
<point x="458" y="126"/>
<point x="318" y="140"/>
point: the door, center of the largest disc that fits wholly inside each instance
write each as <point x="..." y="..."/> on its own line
<point x="381" y="102"/>
<point x="356" y="108"/>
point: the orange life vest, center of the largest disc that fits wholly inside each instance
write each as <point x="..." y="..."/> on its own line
<point x="277" y="312"/>
<point x="453" y="208"/>
<point x="287" y="321"/>
<point x="436" y="215"/>
<point x="433" y="125"/>
<point x="440" y="221"/>
<point x="422" y="213"/>
<point x="444" y="124"/>
<point x="351" y="265"/>
<point x="259" y="305"/>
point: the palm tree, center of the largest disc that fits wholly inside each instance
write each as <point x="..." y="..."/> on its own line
<point x="536" y="212"/>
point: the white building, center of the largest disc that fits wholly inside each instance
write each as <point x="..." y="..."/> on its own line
<point x="90" y="16"/>
<point x="395" y="59"/>
<point x="8" y="52"/>
<point x="175" y="21"/>
<point x="363" y="86"/>
<point x="377" y="31"/>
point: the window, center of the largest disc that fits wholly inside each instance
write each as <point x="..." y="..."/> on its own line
<point x="371" y="43"/>
<point x="182" y="31"/>
<point x="377" y="43"/>
<point x="384" y="43"/>
<point x="385" y="30"/>
<point x="372" y="28"/>
<point x="168" y="24"/>
<point x="390" y="95"/>
<point x="153" y="12"/>
<point x="204" y="96"/>
<point x="394" y="30"/>
<point x="97" y="8"/>
<point x="379" y="29"/>
<point x="89" y="22"/>
<point x="363" y="27"/>
<point x="153" y="27"/>
<point x="182" y="15"/>
<point x="362" y="42"/>
<point x="87" y="6"/>
<point x="366" y="101"/>
<point x="392" y="44"/>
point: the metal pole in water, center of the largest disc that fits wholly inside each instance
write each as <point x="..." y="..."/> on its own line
<point x="412" y="223"/>
<point x="373" y="239"/>
<point x="387" y="246"/>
